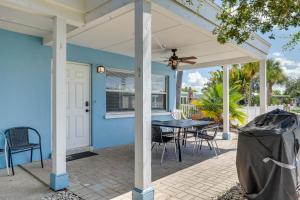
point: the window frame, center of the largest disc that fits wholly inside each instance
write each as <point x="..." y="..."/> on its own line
<point x="117" y="114"/>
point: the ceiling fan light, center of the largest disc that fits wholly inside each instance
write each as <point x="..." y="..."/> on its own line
<point x="174" y="63"/>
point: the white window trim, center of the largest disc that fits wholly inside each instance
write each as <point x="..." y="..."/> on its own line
<point x="115" y="115"/>
<point x="128" y="114"/>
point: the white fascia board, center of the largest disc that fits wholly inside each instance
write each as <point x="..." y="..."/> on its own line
<point x="105" y="9"/>
<point x="98" y="16"/>
<point x="46" y="8"/>
<point x="204" y="18"/>
<point x="240" y="60"/>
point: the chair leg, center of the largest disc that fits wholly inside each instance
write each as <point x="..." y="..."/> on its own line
<point x="175" y="145"/>
<point x="209" y="144"/>
<point x="201" y="144"/>
<point x="11" y="164"/>
<point x="214" y="148"/>
<point x="41" y="155"/>
<point x="185" y="139"/>
<point x="153" y="145"/>
<point x="217" y="146"/>
<point x="195" y="144"/>
<point x="163" y="153"/>
<point x="6" y="161"/>
<point x="31" y="151"/>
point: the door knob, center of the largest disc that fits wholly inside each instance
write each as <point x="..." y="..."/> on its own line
<point x="87" y="110"/>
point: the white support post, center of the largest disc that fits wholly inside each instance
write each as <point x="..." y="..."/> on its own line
<point x="226" y="86"/>
<point x="59" y="177"/>
<point x="263" y="86"/>
<point x="142" y="188"/>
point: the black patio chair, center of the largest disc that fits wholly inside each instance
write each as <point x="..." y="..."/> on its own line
<point x="159" y="138"/>
<point x="18" y="141"/>
<point x="207" y="134"/>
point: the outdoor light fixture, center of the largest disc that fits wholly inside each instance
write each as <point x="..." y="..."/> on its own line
<point x="101" y="69"/>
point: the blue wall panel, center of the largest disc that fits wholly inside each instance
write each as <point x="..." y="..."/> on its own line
<point x="25" y="90"/>
<point x="25" y="84"/>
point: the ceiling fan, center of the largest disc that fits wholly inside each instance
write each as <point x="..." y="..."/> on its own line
<point x="174" y="60"/>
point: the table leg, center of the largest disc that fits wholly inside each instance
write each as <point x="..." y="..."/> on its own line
<point x="178" y="144"/>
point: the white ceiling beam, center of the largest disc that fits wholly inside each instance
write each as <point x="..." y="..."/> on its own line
<point x="100" y="15"/>
<point x="46" y="8"/>
<point x="240" y="60"/>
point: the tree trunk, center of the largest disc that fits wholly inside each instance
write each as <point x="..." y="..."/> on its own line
<point x="269" y="93"/>
<point x="249" y="97"/>
<point x="178" y="87"/>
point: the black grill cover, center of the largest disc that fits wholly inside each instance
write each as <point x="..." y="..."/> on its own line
<point x="274" y="135"/>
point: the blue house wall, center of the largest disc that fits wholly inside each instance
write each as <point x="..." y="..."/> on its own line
<point x="25" y="90"/>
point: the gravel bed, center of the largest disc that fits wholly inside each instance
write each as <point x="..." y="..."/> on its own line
<point x="61" y="195"/>
<point x="234" y="193"/>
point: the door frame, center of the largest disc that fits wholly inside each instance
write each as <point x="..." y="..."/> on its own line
<point x="89" y="147"/>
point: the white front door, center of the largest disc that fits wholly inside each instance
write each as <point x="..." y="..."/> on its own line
<point x="78" y="105"/>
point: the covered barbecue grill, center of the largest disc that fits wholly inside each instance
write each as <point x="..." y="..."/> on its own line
<point x="267" y="156"/>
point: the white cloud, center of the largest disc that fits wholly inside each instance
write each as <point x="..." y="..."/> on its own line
<point x="195" y="80"/>
<point x="277" y="54"/>
<point x="290" y="67"/>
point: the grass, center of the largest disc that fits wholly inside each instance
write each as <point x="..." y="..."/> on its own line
<point x="296" y="110"/>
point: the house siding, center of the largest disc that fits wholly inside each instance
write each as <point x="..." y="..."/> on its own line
<point x="25" y="90"/>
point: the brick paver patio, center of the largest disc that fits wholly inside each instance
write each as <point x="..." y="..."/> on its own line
<point x="110" y="174"/>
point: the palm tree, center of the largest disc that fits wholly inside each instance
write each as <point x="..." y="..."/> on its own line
<point x="250" y="71"/>
<point x="275" y="75"/>
<point x="211" y="103"/>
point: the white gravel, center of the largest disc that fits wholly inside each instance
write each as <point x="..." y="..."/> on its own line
<point x="62" y="195"/>
<point x="234" y="193"/>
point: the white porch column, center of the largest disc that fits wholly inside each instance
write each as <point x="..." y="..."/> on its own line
<point x="226" y="123"/>
<point x="59" y="177"/>
<point x="263" y="86"/>
<point x="142" y="185"/>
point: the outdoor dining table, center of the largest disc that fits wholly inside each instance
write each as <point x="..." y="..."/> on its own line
<point x="181" y="125"/>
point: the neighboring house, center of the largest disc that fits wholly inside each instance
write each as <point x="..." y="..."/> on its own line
<point x="184" y="99"/>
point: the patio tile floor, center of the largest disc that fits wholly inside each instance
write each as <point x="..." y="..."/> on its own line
<point x="110" y="174"/>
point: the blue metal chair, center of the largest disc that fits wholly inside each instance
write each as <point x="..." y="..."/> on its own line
<point x="4" y="151"/>
<point x="18" y="141"/>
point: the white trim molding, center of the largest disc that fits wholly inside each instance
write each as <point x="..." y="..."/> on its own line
<point x="116" y="115"/>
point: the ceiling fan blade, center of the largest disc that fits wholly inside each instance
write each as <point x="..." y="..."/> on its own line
<point x="188" y="58"/>
<point x="188" y="62"/>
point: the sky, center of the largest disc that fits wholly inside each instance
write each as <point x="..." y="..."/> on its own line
<point x="290" y="61"/>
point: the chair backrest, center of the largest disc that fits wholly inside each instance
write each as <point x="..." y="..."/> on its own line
<point x="17" y="137"/>
<point x="176" y="114"/>
<point x="211" y="128"/>
<point x="4" y="138"/>
<point x="156" y="134"/>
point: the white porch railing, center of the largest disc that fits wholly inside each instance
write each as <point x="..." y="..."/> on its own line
<point x="254" y="111"/>
<point x="188" y="110"/>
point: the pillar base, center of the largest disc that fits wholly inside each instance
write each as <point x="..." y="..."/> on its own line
<point x="59" y="182"/>
<point x="226" y="136"/>
<point x="146" y="194"/>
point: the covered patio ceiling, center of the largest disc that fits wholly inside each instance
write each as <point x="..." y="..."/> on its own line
<point x="91" y="25"/>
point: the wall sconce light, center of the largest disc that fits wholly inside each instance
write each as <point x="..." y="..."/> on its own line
<point x="101" y="69"/>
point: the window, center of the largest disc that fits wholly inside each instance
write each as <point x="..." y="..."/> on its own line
<point x="120" y="91"/>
